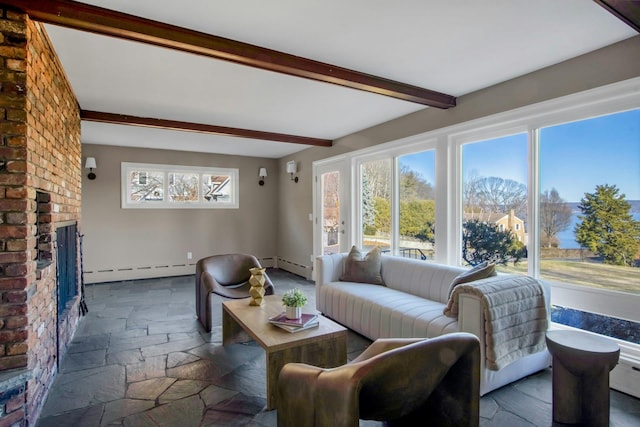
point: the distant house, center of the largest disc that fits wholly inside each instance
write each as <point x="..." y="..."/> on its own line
<point x="504" y="222"/>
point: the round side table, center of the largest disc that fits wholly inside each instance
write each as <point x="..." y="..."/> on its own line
<point x="581" y="366"/>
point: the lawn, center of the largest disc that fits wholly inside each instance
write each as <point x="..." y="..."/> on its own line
<point x="587" y="273"/>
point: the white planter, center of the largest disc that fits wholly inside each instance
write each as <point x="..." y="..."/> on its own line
<point x="293" y="312"/>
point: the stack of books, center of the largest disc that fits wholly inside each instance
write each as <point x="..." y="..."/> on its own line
<point x="306" y="321"/>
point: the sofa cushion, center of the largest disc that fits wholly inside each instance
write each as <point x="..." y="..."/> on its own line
<point x="380" y="312"/>
<point x="479" y="272"/>
<point x="363" y="269"/>
<point x="420" y="278"/>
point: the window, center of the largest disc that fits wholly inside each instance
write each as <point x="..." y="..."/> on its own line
<point x="417" y="208"/>
<point x="166" y="186"/>
<point x="590" y="215"/>
<point x="590" y="180"/>
<point x="494" y="201"/>
<point x="397" y="204"/>
<point x="142" y="178"/>
<point x="217" y="188"/>
<point x="330" y="188"/>
<point x="518" y="173"/>
<point x="146" y="186"/>
<point x="183" y="187"/>
<point x="376" y="181"/>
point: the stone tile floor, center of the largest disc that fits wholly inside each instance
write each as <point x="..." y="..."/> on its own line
<point x="140" y="358"/>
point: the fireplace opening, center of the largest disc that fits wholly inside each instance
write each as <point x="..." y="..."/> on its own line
<point x="67" y="265"/>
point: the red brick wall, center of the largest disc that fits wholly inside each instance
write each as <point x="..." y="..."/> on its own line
<point x="12" y="405"/>
<point x="39" y="152"/>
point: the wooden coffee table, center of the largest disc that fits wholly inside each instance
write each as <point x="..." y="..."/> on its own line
<point x="324" y="346"/>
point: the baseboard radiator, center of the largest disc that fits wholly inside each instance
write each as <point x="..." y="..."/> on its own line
<point x="295" y="268"/>
<point x="117" y="274"/>
<point x="625" y="377"/>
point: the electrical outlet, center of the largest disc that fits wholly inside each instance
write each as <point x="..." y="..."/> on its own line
<point x="189" y="255"/>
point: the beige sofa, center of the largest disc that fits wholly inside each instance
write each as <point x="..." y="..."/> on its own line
<point x="411" y="304"/>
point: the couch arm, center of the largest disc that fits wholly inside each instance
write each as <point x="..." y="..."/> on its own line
<point x="471" y="316"/>
<point x="471" y="320"/>
<point x="328" y="269"/>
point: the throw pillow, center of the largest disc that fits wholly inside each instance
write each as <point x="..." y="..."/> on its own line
<point x="480" y="271"/>
<point x="363" y="268"/>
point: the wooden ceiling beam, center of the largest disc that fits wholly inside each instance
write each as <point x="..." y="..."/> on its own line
<point x="626" y="10"/>
<point x="103" y="21"/>
<point x="121" y="119"/>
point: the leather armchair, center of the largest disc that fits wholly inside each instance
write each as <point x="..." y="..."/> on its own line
<point x="225" y="275"/>
<point x="405" y="382"/>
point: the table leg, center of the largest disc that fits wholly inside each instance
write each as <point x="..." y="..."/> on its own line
<point x="232" y="332"/>
<point x="596" y="400"/>
<point x="567" y="396"/>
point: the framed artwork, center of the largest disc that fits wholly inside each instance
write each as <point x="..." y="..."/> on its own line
<point x="152" y="186"/>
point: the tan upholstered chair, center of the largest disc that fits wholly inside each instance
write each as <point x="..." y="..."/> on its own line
<point x="405" y="382"/>
<point x="225" y="275"/>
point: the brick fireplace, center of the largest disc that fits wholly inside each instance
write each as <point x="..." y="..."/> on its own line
<point x="40" y="185"/>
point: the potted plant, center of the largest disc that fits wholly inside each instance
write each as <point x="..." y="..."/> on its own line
<point x="294" y="300"/>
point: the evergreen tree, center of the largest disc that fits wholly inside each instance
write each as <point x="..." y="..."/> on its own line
<point x="368" y="206"/>
<point x="482" y="241"/>
<point x="383" y="214"/>
<point x="607" y="227"/>
<point x="417" y="219"/>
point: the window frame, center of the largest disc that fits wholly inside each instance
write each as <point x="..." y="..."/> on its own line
<point x="478" y="136"/>
<point x="573" y="108"/>
<point x="447" y="141"/>
<point x="127" y="167"/>
<point x="393" y="155"/>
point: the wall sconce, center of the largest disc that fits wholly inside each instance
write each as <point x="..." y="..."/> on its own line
<point x="91" y="165"/>
<point x="291" y="168"/>
<point x="262" y="174"/>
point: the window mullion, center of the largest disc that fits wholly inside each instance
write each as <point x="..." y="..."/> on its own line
<point x="534" y="203"/>
<point x="395" y="207"/>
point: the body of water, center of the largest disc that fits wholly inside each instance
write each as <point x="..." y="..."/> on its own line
<point x="566" y="238"/>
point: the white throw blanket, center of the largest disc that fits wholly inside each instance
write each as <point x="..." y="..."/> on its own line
<point x="515" y="316"/>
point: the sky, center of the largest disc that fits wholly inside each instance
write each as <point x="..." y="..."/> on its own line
<point x="504" y="157"/>
<point x="574" y="157"/>
<point x="423" y="162"/>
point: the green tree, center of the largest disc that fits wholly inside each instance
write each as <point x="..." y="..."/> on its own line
<point x="482" y="241"/>
<point x="417" y="219"/>
<point x="555" y="216"/>
<point x="607" y="227"/>
<point x="383" y="214"/>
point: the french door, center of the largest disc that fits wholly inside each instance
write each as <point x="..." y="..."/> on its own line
<point x="331" y="230"/>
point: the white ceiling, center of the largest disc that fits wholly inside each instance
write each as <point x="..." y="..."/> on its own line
<point x="455" y="47"/>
